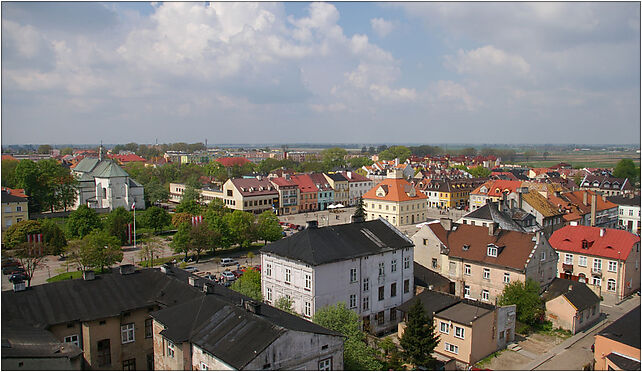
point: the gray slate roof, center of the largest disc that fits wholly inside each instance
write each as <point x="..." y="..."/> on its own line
<point x="9" y="198"/>
<point x="425" y="277"/>
<point x="490" y="212"/>
<point x="86" y="165"/>
<point x="432" y="301"/>
<point x="626" y="329"/>
<point x="93" y="167"/>
<point x="317" y="246"/>
<point x="19" y="341"/>
<point x="580" y="295"/>
<point x="625" y="364"/>
<point x="624" y="200"/>
<point x="463" y="313"/>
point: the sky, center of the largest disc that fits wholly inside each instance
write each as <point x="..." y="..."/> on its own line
<point x="446" y="72"/>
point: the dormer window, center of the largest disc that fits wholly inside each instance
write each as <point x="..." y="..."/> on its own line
<point x="585" y="244"/>
<point x="492" y="251"/>
<point x="466" y="247"/>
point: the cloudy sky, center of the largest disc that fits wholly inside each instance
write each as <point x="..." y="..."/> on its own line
<point x="321" y="72"/>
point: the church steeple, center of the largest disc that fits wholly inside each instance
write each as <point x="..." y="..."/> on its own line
<point x="101" y="151"/>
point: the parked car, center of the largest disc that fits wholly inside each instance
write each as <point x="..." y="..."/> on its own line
<point x="228" y="262"/>
<point x="228" y="275"/>
<point x="8" y="262"/>
<point x="237" y="273"/>
<point x="9" y="269"/>
<point x="210" y="277"/>
<point x="17" y="276"/>
<point x="190" y="269"/>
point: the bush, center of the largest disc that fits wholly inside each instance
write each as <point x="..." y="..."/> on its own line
<point x="522" y="329"/>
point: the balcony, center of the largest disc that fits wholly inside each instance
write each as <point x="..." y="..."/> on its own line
<point x="596" y="271"/>
<point x="567" y="267"/>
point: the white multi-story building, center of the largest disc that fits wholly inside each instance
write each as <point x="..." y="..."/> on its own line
<point x="366" y="265"/>
<point x="628" y="212"/>
<point x="357" y="186"/>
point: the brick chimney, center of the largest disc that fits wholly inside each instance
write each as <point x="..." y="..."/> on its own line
<point x="585" y="197"/>
<point x="492" y="228"/>
<point x="593" y="208"/>
<point x="208" y="288"/>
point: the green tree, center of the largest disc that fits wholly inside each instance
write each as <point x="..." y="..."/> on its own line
<point x="116" y="224"/>
<point x="216" y="207"/>
<point x="284" y="304"/>
<point x="359" y="162"/>
<point x="334" y="157"/>
<point x="391" y="354"/>
<point x="525" y="295"/>
<point x="396" y="152"/>
<point x="82" y="221"/>
<point x="191" y="193"/>
<point x="9" y="173"/>
<point x="17" y="233"/>
<point x="66" y="151"/>
<point x="155" y="192"/>
<point x="80" y="253"/>
<point x="28" y="177"/>
<point x="360" y="211"/>
<point x="190" y="206"/>
<point x="267" y="165"/>
<point x="419" y="338"/>
<point x="106" y="249"/>
<point x="156" y="218"/>
<point x="241" y="227"/>
<point x="357" y="355"/>
<point x="625" y="168"/>
<point x="44" y="149"/>
<point x="468" y="151"/>
<point x="181" y="240"/>
<point x="479" y="172"/>
<point x="181" y="218"/>
<point x="201" y="237"/>
<point x="54" y="237"/>
<point x="222" y="237"/>
<point x="249" y="284"/>
<point x="268" y="227"/>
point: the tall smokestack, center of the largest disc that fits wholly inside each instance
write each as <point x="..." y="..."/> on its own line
<point x="593" y="208"/>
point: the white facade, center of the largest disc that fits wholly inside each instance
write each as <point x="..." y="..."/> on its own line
<point x="356" y="282"/>
<point x="357" y="189"/>
<point x="629" y="217"/>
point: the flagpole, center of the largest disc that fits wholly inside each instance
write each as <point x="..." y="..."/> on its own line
<point x="134" y="224"/>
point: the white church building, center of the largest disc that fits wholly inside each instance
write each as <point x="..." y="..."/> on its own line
<point x="104" y="184"/>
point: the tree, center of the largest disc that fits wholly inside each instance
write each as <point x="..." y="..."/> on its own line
<point x="148" y="251"/>
<point x="155" y="192"/>
<point x="625" y="168"/>
<point x="525" y="295"/>
<point x="44" y="149"/>
<point x="334" y="157"/>
<point x="221" y="233"/>
<point x="106" y="249"/>
<point x="191" y="193"/>
<point x="284" y="304"/>
<point x="529" y="154"/>
<point x="359" y="162"/>
<point x="479" y="172"/>
<point x="241" y="227"/>
<point x="360" y="211"/>
<point x="200" y="238"/>
<point x="9" y="173"/>
<point x="17" y="233"/>
<point x="419" y="338"/>
<point x="357" y="355"/>
<point x="268" y="228"/>
<point x="54" y="237"/>
<point x="189" y="206"/>
<point x="66" y="191"/>
<point x="116" y="224"/>
<point x="156" y="218"/>
<point x="180" y="241"/>
<point x="66" y="151"/>
<point x="181" y="218"/>
<point x="396" y="152"/>
<point x="249" y="284"/>
<point x="216" y="207"/>
<point x="80" y="253"/>
<point x="391" y="354"/>
<point x="30" y="256"/>
<point x="82" y="221"/>
<point x="468" y="151"/>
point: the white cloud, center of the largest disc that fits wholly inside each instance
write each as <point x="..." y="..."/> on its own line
<point x="445" y="92"/>
<point x="381" y="27"/>
<point x="487" y="59"/>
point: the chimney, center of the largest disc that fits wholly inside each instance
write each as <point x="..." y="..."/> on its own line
<point x="208" y="288"/>
<point x="604" y="198"/>
<point x="492" y="227"/>
<point x="585" y="198"/>
<point x="355" y="219"/>
<point x="127" y="269"/>
<point x="447" y="223"/>
<point x="88" y="275"/>
<point x="593" y="208"/>
<point x="19" y="285"/>
<point x="570" y="287"/>
<point x="192" y="280"/>
<point x="312" y="224"/>
<point x="253" y="307"/>
<point x="602" y="232"/>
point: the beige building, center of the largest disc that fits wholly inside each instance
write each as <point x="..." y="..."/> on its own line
<point x="15" y="207"/>
<point x="608" y="260"/>
<point x="341" y="188"/>
<point x="395" y="200"/>
<point x="617" y="347"/>
<point x="483" y="260"/>
<point x="571" y="305"/>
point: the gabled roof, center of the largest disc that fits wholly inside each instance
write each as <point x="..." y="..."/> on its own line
<point x="254" y="187"/>
<point x="321" y="182"/>
<point x="577" y="293"/>
<point x="397" y="189"/>
<point x="540" y="204"/>
<point x="283" y="182"/>
<point x="23" y="341"/>
<point x="127" y="158"/>
<point x="108" y="169"/>
<point x="432" y="301"/>
<point x="490" y="213"/>
<point x="615" y="244"/>
<point x="496" y="187"/>
<point x="86" y="165"/>
<point x="8" y="157"/>
<point x="625" y="330"/>
<point x="337" y="177"/>
<point x="305" y="183"/>
<point x="355" y="177"/>
<point x="318" y="246"/>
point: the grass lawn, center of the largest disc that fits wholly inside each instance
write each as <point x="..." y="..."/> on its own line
<point x="72" y="275"/>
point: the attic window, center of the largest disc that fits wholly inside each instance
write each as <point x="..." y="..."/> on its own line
<point x="266" y="366"/>
<point x="466" y="247"/>
<point x="492" y="251"/>
<point x="585" y="244"/>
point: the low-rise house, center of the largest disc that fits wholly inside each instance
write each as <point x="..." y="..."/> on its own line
<point x="396" y="200"/>
<point x="493" y="190"/>
<point x="513" y="219"/>
<point x="340" y="186"/>
<point x="571" y="305"/>
<point x="448" y="193"/>
<point x="15" y="207"/>
<point x="606" y="259"/>
<point x="628" y="212"/>
<point x="325" y="193"/>
<point x="468" y="330"/>
<point x="586" y="208"/>
<point x="365" y="265"/>
<point x="617" y="347"/>
<point x="250" y="195"/>
<point x="288" y="194"/>
<point x="606" y="184"/>
<point x="483" y="260"/>
<point x="357" y="186"/>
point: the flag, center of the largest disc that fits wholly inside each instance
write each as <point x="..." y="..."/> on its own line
<point x="134" y="205"/>
<point x="196" y="220"/>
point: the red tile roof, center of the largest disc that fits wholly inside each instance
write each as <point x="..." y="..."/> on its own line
<point x="15" y="192"/>
<point x="615" y="244"/>
<point x="127" y="158"/>
<point x="496" y="187"/>
<point x="232" y="161"/>
<point x="305" y="183"/>
<point x="397" y="189"/>
<point x="355" y="177"/>
<point x="8" y="157"/>
<point x="283" y="182"/>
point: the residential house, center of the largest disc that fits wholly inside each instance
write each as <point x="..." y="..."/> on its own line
<point x="250" y="195"/>
<point x="606" y="259"/>
<point x="396" y="200"/>
<point x="571" y="305"/>
<point x="34" y="349"/>
<point x="586" y="208"/>
<point x="325" y="193"/>
<point x="547" y="215"/>
<point x="448" y="193"/>
<point x="340" y="186"/>
<point x="617" y="347"/>
<point x="357" y="186"/>
<point x="512" y="219"/>
<point x="15" y="207"/>
<point x="308" y="192"/>
<point x="493" y="190"/>
<point x="365" y="265"/>
<point x="229" y="162"/>
<point x="468" y="330"/>
<point x="628" y="212"/>
<point x="104" y="184"/>
<point x="606" y="184"/>
<point x="288" y="195"/>
<point x="483" y="260"/>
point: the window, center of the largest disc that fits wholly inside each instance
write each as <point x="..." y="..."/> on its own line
<point x="406" y="262"/>
<point x="568" y="259"/>
<point x="268" y="269"/>
<point x="597" y="281"/>
<point x="170" y="349"/>
<point x="381" y="268"/>
<point x="73" y="339"/>
<point x="506" y="278"/>
<point x="307" y="309"/>
<point x="425" y="241"/>
<point x="492" y="251"/>
<point x="466" y="291"/>
<point x="104" y="353"/>
<point x="452" y="267"/>
<point x="459" y="332"/>
<point x="484" y="295"/>
<point x="443" y="327"/>
<point x="466" y="269"/>
<point x="204" y="367"/>
<point x="610" y="285"/>
<point x="581" y="261"/>
<point x="393" y="266"/>
<point x="406" y="286"/>
<point x="451" y="348"/>
<point x="366" y="303"/>
<point x="487" y="274"/>
<point x="381" y="293"/>
<point x="19" y="209"/>
<point x="268" y="292"/>
<point x="288" y="276"/>
<point x="129" y="365"/>
<point x="148" y="328"/>
<point x="353" y="275"/>
<point x="353" y="301"/>
<point x="393" y="290"/>
<point x="127" y="333"/>
<point x="366" y="284"/>
<point x="597" y="265"/>
<point x="434" y="263"/>
<point x="543" y="256"/>
<point x="325" y="364"/>
<point x="381" y="317"/>
<point x="393" y="314"/>
<point x="613" y="266"/>
<point x="308" y="281"/>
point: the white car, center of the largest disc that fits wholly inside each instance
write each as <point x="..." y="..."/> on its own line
<point x="228" y="275"/>
<point x="228" y="262"/>
<point x="190" y="269"/>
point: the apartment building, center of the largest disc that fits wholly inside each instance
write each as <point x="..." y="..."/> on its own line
<point x="628" y="212"/>
<point x="448" y="193"/>
<point x="606" y="185"/>
<point x="483" y="260"/>
<point x="608" y="260"/>
<point x="308" y="192"/>
<point x="365" y="265"/>
<point x="586" y="208"/>
<point x="340" y="186"/>
<point x="325" y="193"/>
<point x="289" y="194"/>
<point x="15" y="207"/>
<point x="617" y="347"/>
<point x="396" y="200"/>
<point x="250" y="195"/>
<point x="491" y="190"/>
<point x="357" y="186"/>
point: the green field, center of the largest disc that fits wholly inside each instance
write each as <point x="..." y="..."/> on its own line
<point x="582" y="159"/>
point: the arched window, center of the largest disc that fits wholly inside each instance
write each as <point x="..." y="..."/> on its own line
<point x="610" y="285"/>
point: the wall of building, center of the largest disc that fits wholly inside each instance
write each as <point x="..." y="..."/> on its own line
<point x="203" y="360"/>
<point x="397" y="213"/>
<point x="604" y="346"/>
<point x="295" y="289"/>
<point x="164" y="362"/>
<point x="542" y="264"/>
<point x="427" y="248"/>
<point x="13" y="213"/>
<point x="41" y="364"/>
<point x="563" y="315"/>
<point x="505" y="324"/>
<point x="629" y="217"/>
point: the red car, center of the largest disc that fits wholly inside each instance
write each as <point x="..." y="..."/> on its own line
<point x="237" y="273"/>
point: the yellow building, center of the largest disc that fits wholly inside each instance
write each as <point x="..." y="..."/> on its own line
<point x="396" y="200"/>
<point x="14" y="207"/>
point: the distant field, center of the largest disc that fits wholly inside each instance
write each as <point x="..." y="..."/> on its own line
<point x="582" y="159"/>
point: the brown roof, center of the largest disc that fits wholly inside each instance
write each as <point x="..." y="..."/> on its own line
<point x="396" y="189"/>
<point x="254" y="187"/>
<point x="540" y="204"/>
<point x="355" y="177"/>
<point x="514" y="246"/>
